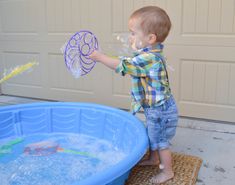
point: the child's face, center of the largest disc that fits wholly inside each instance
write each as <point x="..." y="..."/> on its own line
<point x="138" y="39"/>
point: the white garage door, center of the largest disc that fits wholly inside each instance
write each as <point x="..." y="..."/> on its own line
<point x="200" y="48"/>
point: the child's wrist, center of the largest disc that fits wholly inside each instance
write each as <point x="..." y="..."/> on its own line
<point x="95" y="55"/>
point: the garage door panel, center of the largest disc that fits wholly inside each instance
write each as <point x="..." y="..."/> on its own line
<point x="223" y="79"/>
<point x="203" y="17"/>
<point x="232" y="86"/>
<point x="208" y="111"/>
<point x="186" y="80"/>
<point x="210" y="82"/>
<point x="205" y="82"/>
<point x="201" y="79"/>
<point x="18" y="17"/>
<point x="203" y="22"/>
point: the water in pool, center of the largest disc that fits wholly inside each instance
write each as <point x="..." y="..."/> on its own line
<point x="54" y="159"/>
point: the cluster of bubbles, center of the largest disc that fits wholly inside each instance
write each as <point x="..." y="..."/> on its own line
<point x="77" y="50"/>
<point x="7" y="74"/>
<point x="125" y="48"/>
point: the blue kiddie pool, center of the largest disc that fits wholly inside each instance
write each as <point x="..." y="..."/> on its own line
<point x="68" y="144"/>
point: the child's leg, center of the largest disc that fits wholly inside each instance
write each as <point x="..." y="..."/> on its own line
<point x="167" y="172"/>
<point x="152" y="160"/>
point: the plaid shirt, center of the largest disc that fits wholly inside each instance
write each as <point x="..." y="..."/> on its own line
<point x="150" y="85"/>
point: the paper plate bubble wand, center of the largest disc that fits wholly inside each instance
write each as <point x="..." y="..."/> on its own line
<point x="77" y="50"/>
<point x="17" y="70"/>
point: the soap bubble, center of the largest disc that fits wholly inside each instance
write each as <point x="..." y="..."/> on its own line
<point x="123" y="40"/>
<point x="7" y="74"/>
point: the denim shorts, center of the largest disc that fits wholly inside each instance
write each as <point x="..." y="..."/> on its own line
<point x="161" y="122"/>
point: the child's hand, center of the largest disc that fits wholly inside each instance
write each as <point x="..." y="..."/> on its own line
<point x="95" y="55"/>
<point x="104" y="59"/>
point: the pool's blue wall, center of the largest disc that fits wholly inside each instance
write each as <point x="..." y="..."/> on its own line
<point x="101" y="123"/>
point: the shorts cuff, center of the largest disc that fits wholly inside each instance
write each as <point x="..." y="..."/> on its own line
<point x="163" y="146"/>
<point x="160" y="146"/>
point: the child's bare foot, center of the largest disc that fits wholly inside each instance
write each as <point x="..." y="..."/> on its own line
<point x="162" y="177"/>
<point x="149" y="162"/>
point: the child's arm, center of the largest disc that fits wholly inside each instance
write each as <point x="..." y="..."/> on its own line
<point x="104" y="59"/>
<point x="125" y="66"/>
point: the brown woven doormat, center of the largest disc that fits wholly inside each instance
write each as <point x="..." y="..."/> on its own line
<point x="185" y="167"/>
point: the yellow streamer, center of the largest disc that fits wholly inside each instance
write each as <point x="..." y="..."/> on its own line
<point x="17" y="70"/>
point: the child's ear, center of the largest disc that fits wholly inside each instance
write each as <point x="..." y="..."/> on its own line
<point x="152" y="38"/>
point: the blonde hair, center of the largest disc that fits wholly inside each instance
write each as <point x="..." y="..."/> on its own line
<point x="154" y="20"/>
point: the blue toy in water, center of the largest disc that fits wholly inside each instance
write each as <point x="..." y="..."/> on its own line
<point x="7" y="148"/>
